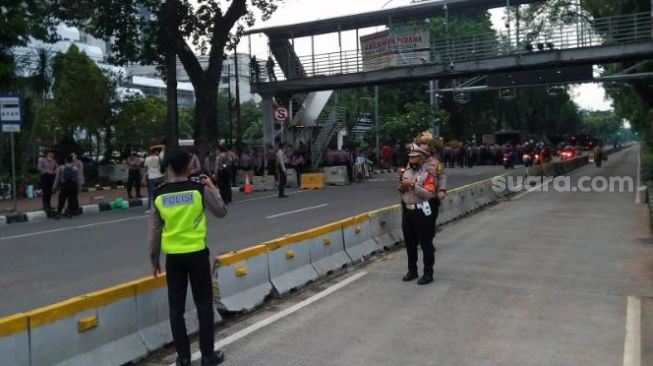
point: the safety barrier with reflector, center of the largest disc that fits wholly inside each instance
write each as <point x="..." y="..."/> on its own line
<point x="381" y="226"/>
<point x="358" y="237"/>
<point x="312" y="181"/>
<point x="327" y="248"/>
<point x="264" y="183"/>
<point x="289" y="260"/>
<point x="96" y="329"/>
<point x="243" y="278"/>
<point x="336" y="175"/>
<point x="14" y="340"/>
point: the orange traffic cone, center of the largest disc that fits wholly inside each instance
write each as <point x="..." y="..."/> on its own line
<point x="248" y="186"/>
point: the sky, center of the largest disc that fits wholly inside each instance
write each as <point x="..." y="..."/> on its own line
<point x="589" y="96"/>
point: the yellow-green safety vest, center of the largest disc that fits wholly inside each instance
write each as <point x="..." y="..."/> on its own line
<point x="181" y="207"/>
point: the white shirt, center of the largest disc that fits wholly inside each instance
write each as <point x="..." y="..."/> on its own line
<point x="153" y="166"/>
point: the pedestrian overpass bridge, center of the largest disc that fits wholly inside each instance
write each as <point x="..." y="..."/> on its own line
<point x="576" y="41"/>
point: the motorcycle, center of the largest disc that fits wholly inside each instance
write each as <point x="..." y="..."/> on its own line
<point x="507" y="161"/>
<point x="528" y="160"/>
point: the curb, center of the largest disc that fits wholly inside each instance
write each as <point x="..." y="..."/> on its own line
<point x="97" y="189"/>
<point x="385" y="171"/>
<point x="35" y="216"/>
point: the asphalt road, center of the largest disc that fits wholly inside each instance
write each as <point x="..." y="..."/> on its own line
<point x="50" y="261"/>
<point x="545" y="278"/>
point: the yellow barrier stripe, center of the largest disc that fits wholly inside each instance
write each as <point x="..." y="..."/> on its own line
<point x="13" y="324"/>
<point x="87" y="323"/>
<point x="18" y="322"/>
<point x="64" y="309"/>
<point x="148" y="284"/>
<point x="241" y="255"/>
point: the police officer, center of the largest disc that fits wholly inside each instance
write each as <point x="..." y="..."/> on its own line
<point x="436" y="168"/>
<point x="417" y="187"/>
<point x="177" y="226"/>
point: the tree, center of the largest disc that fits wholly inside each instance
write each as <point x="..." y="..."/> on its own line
<point x="138" y="123"/>
<point x="20" y="20"/>
<point x="82" y="94"/>
<point x="404" y="128"/>
<point x="209" y="26"/>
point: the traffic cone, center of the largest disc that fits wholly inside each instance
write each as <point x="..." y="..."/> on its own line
<point x="248" y="186"/>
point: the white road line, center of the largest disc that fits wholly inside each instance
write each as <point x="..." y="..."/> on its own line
<point x="267" y="197"/>
<point x="638" y="194"/>
<point x="296" y="211"/>
<point x="633" y="340"/>
<point x="71" y="228"/>
<point x="475" y="174"/>
<point x="280" y="315"/>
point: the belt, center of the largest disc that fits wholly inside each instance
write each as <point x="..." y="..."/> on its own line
<point x="414" y="207"/>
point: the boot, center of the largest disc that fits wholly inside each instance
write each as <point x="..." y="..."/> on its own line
<point x="410" y="276"/>
<point x="214" y="359"/>
<point x="425" y="280"/>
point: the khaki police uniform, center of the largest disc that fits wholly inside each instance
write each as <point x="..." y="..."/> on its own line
<point x="418" y="225"/>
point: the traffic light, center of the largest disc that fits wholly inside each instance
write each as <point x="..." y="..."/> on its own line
<point x="557" y="75"/>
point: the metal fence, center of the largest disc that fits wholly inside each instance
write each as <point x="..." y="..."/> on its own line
<point x="548" y="38"/>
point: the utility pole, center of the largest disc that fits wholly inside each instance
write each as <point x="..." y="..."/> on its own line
<point x="172" y="113"/>
<point x="376" y="123"/>
<point x="239" y="117"/>
<point x="231" y="137"/>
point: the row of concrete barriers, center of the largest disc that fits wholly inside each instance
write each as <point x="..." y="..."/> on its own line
<point x="126" y="322"/>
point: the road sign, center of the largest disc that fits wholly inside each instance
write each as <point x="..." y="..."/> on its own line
<point x="10" y="113"/>
<point x="282" y="114"/>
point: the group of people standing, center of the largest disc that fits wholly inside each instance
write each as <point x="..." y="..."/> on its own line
<point x="65" y="180"/>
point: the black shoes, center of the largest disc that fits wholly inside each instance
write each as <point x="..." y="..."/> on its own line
<point x="425" y="280"/>
<point x="183" y="362"/>
<point x="410" y="276"/>
<point x="214" y="359"/>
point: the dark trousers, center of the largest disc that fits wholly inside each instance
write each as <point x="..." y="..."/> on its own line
<point x="419" y="229"/>
<point x="68" y="194"/>
<point x="224" y="184"/>
<point x="134" y="181"/>
<point x="47" y="182"/>
<point x="283" y="178"/>
<point x="194" y="267"/>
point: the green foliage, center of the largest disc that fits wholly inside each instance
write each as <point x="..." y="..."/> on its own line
<point x="139" y="122"/>
<point x="404" y="128"/>
<point x="82" y="93"/>
<point x="602" y="124"/>
<point x="20" y="20"/>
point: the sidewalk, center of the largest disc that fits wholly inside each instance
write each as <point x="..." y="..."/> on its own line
<point x="85" y="198"/>
<point x="544" y="279"/>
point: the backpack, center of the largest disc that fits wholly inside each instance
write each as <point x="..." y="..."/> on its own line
<point x="69" y="176"/>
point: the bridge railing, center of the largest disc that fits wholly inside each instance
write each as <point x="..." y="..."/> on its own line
<point x="549" y="38"/>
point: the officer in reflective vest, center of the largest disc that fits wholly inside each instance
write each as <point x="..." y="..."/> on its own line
<point x="177" y="226"/>
<point x="417" y="187"/>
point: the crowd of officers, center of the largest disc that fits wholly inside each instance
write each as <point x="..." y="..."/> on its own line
<point x="64" y="179"/>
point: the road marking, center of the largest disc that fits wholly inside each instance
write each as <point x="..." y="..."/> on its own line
<point x="475" y="174"/>
<point x="537" y="188"/>
<point x="278" y="316"/>
<point x="140" y="217"/>
<point x="633" y="340"/>
<point x="296" y="211"/>
<point x="638" y="193"/>
<point x="271" y="196"/>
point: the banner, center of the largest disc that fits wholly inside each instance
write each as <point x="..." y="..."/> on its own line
<point x="395" y="47"/>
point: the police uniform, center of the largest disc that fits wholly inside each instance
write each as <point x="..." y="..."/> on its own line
<point x="418" y="225"/>
<point x="436" y="168"/>
<point x="178" y="228"/>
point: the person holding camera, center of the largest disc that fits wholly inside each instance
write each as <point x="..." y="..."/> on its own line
<point x="177" y="227"/>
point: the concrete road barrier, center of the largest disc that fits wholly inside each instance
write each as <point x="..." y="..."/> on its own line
<point x="357" y="234"/>
<point x="289" y="260"/>
<point x="336" y="176"/>
<point x="14" y="340"/>
<point x="291" y="178"/>
<point x="243" y="279"/>
<point x="264" y="183"/>
<point x="312" y="181"/>
<point x="96" y="329"/>
<point x="327" y="248"/>
<point x="382" y="230"/>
